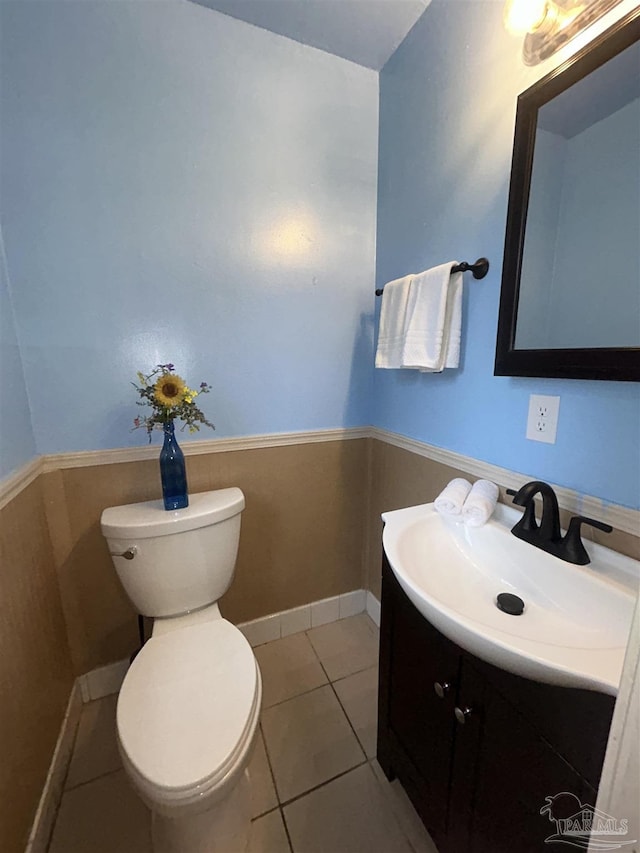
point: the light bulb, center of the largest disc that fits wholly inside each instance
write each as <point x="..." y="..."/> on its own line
<point x="524" y="16"/>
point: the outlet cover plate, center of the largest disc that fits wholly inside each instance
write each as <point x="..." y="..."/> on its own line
<point x="542" y="422"/>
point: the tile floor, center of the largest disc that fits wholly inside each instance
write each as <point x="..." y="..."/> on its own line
<point x="316" y="786"/>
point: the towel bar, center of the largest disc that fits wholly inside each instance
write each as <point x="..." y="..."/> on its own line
<point x="477" y="270"/>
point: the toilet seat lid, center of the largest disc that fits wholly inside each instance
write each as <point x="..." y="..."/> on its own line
<point x="186" y="704"/>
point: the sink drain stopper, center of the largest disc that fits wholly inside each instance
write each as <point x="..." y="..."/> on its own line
<point x="509" y="603"/>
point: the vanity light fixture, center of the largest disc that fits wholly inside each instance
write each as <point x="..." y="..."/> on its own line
<point x="549" y="24"/>
<point x="523" y="16"/>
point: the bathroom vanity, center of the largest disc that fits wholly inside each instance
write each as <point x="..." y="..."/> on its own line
<point x="478" y="749"/>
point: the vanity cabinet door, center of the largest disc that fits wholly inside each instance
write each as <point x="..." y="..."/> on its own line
<point x="479" y="781"/>
<point x="503" y="772"/>
<point x="417" y="725"/>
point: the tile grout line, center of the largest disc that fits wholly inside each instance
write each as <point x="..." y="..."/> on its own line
<point x="264" y="814"/>
<point x="329" y="683"/>
<point x="282" y="804"/>
<point x="275" y="788"/>
<point x="317" y="687"/>
<point x="335" y="692"/>
<point x="295" y="696"/>
<point x="356" y="672"/>
<point x="326" y="782"/>
<point x="286" y="828"/>
<point x="89" y="781"/>
<point x="338" y="698"/>
<point x="269" y="765"/>
<point x="351" y="726"/>
<point x="318" y="658"/>
<point x="322" y="784"/>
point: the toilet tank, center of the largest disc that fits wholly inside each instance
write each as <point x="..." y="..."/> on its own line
<point x="178" y="560"/>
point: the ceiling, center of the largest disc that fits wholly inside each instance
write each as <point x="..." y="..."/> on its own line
<point x="364" y="31"/>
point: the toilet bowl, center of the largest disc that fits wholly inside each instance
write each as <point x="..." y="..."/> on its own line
<point x="188" y="709"/>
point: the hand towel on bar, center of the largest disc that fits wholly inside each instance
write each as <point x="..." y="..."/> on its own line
<point x="392" y="322"/>
<point x="433" y="320"/>
<point x="451" y="499"/>
<point x="480" y="503"/>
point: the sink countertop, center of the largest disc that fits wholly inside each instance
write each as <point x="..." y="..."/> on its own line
<point x="576" y="621"/>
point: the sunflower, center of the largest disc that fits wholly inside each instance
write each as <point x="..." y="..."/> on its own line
<point x="170" y="399"/>
<point x="169" y="390"/>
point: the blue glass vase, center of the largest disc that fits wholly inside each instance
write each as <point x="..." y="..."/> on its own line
<point x="173" y="471"/>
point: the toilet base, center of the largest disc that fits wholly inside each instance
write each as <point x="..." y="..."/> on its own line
<point x="222" y="829"/>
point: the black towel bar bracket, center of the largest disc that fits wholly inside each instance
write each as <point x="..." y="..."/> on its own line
<point x="477" y="270"/>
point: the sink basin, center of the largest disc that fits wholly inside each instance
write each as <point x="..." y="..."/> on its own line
<point x="576" y="619"/>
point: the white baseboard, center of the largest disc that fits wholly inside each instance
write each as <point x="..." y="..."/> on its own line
<point x="47" y="811"/>
<point x="277" y="625"/>
<point x="108" y="679"/>
<point x="103" y="681"/>
<point x="373" y="608"/>
<point x="92" y="685"/>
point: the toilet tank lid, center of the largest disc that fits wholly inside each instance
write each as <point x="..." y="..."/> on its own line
<point x="149" y="518"/>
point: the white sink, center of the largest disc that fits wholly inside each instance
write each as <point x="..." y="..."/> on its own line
<point x="576" y="620"/>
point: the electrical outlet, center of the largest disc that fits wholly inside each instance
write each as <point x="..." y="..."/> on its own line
<point x="542" y="422"/>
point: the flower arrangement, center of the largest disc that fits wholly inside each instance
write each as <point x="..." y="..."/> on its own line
<point x="169" y="397"/>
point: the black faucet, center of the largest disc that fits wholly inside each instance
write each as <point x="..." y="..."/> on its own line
<point x="547" y="535"/>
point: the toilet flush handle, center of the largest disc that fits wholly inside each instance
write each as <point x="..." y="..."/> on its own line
<point x="129" y="554"/>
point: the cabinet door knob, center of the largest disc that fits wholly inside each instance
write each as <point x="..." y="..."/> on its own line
<point x="461" y="714"/>
<point x="441" y="689"/>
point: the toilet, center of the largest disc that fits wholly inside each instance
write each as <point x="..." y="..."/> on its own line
<point x="188" y="709"/>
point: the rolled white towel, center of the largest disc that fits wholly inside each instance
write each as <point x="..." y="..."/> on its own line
<point x="480" y="503"/>
<point x="451" y="499"/>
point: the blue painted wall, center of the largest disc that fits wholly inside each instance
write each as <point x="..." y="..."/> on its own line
<point x="180" y="186"/>
<point x="447" y="109"/>
<point x="17" y="444"/>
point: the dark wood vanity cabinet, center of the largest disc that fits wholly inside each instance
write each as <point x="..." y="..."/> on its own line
<point x="479" y="784"/>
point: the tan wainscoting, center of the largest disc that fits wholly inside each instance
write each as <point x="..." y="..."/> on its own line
<point x="399" y="478"/>
<point x="35" y="668"/>
<point x="301" y="539"/>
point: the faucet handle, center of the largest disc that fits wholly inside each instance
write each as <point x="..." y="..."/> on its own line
<point x="577" y="520"/>
<point x="572" y="545"/>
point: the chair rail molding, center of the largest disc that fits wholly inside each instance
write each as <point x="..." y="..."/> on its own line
<point x="620" y="517"/>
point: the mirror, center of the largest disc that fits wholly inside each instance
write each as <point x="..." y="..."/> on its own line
<point x="570" y="298"/>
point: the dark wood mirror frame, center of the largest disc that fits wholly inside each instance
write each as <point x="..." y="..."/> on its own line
<point x="602" y="363"/>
